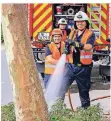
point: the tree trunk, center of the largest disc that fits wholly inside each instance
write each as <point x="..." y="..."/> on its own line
<point x="29" y="100"/>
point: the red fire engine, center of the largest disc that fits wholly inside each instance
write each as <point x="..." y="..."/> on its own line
<point x="43" y="18"/>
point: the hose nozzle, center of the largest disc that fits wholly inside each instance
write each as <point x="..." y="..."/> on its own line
<point x="68" y="45"/>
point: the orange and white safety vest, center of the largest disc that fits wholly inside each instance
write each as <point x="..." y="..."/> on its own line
<point x="49" y="68"/>
<point x="56" y="54"/>
<point x="85" y="56"/>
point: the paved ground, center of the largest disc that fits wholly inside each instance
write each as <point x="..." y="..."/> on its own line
<point x="105" y="103"/>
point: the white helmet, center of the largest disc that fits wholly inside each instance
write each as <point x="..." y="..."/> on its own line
<point x="80" y="16"/>
<point x="62" y="21"/>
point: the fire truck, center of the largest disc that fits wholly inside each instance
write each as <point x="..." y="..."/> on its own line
<point x="43" y="17"/>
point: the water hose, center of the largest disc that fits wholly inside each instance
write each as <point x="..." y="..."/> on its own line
<point x="69" y="96"/>
<point x="98" y="98"/>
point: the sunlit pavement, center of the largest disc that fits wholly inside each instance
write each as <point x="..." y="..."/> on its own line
<point x="104" y="103"/>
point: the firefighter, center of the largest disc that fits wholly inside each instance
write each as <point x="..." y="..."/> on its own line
<point x="53" y="52"/>
<point x="80" y="70"/>
<point x="62" y="25"/>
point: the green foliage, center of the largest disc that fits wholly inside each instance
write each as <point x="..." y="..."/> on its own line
<point x="92" y="113"/>
<point x="60" y="112"/>
<point x="8" y="112"/>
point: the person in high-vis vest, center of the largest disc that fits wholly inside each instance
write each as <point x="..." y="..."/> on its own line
<point x="80" y="70"/>
<point x="53" y="53"/>
<point x="65" y="31"/>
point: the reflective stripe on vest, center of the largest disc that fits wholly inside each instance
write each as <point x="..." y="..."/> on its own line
<point x="86" y="57"/>
<point x="50" y="65"/>
<point x="49" y="70"/>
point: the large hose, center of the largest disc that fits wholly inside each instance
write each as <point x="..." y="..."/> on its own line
<point x="70" y="101"/>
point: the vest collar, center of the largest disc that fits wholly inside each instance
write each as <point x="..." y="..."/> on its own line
<point x="81" y="32"/>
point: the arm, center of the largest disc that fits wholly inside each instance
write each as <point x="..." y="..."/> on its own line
<point x="49" y="57"/>
<point x="90" y="43"/>
<point x="87" y="47"/>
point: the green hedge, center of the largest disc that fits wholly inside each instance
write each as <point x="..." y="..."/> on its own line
<point x="60" y="113"/>
<point x="8" y="112"/>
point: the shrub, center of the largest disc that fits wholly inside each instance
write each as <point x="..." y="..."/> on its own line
<point x="60" y="112"/>
<point x="8" y="112"/>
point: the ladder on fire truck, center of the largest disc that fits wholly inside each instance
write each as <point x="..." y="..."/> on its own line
<point x="95" y="19"/>
<point x="99" y="18"/>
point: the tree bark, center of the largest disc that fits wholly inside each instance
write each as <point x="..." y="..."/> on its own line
<point x="29" y="100"/>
